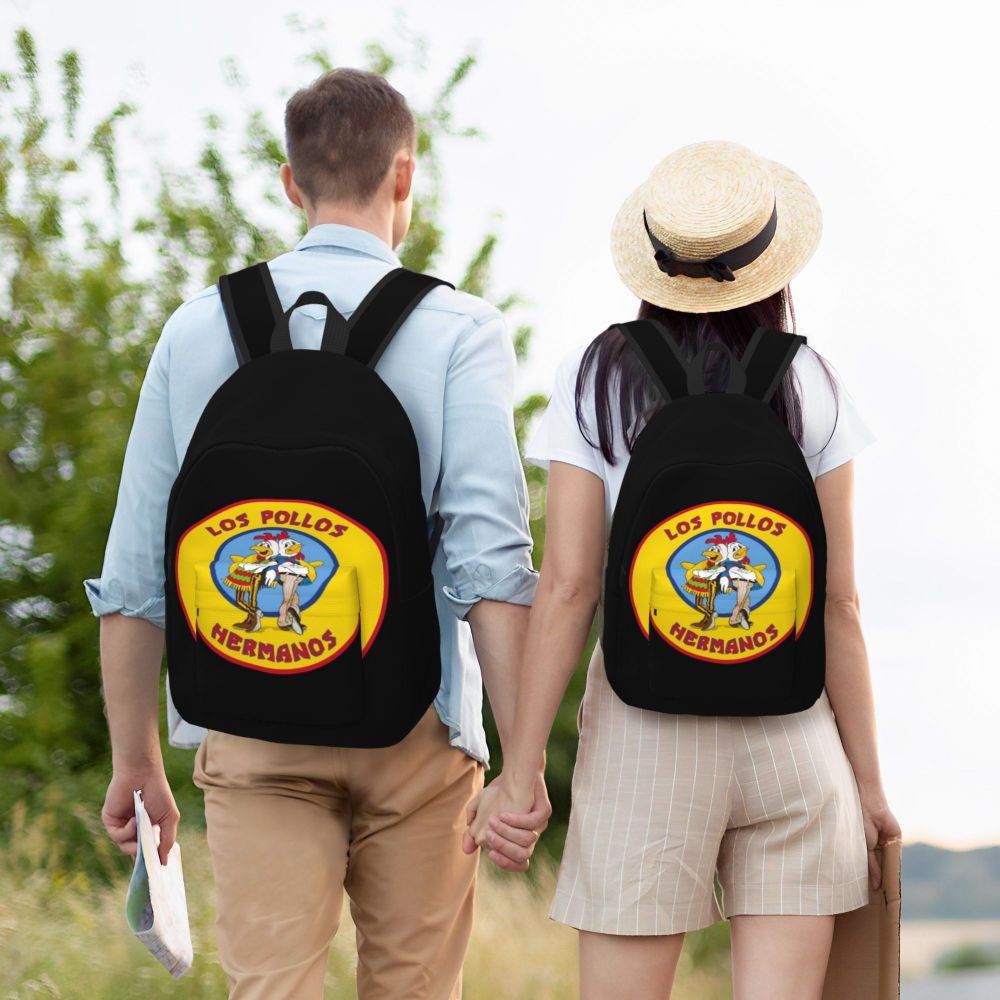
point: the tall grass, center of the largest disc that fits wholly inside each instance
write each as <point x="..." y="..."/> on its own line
<point x="63" y="934"/>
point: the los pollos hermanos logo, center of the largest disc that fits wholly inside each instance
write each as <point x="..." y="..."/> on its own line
<point x="723" y="582"/>
<point x="282" y="586"/>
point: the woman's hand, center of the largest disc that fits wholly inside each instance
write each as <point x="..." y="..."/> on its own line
<point x="880" y="827"/>
<point x="508" y="822"/>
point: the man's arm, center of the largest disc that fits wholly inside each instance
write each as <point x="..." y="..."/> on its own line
<point x="131" y="650"/>
<point x="483" y="499"/>
<point x="498" y="631"/>
<point x="487" y="541"/>
<point x="129" y="599"/>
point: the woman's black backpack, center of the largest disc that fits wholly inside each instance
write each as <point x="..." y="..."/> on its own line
<point x="715" y="584"/>
<point x="300" y="603"/>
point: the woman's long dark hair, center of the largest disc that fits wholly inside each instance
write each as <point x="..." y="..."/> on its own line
<point x="622" y="388"/>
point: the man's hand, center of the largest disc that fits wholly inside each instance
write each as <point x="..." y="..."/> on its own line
<point x="118" y="814"/>
<point x="508" y="824"/>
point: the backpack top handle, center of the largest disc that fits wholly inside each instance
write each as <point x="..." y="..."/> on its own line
<point x="335" y="329"/>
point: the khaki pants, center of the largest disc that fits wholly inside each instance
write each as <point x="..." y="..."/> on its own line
<point x="290" y="827"/>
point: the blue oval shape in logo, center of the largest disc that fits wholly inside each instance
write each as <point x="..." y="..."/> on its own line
<point x="269" y="598"/>
<point x="758" y="553"/>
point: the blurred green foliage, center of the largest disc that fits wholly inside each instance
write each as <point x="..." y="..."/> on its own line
<point x="86" y="288"/>
<point x="969" y="956"/>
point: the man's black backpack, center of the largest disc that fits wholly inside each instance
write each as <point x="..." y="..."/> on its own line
<point x="300" y="603"/>
<point x="716" y="577"/>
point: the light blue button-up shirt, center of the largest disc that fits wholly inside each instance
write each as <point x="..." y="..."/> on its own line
<point x="452" y="367"/>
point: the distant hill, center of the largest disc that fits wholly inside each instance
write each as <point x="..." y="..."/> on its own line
<point x="939" y="884"/>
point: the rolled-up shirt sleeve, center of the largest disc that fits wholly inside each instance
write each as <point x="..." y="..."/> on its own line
<point x="132" y="577"/>
<point x="482" y="493"/>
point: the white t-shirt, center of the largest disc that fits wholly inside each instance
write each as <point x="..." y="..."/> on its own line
<point x="833" y="431"/>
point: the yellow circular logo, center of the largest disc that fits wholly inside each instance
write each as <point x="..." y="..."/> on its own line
<point x="724" y="582"/>
<point x="282" y="586"/>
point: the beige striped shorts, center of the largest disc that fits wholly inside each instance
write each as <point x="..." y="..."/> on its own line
<point x="661" y="804"/>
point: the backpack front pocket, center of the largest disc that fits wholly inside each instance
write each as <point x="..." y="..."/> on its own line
<point x="724" y="645"/>
<point x="292" y="664"/>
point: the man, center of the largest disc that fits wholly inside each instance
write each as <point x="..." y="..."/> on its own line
<point x="290" y="827"/>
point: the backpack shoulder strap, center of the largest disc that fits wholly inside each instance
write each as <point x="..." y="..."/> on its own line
<point x="384" y="310"/>
<point x="660" y="356"/>
<point x="252" y="307"/>
<point x="766" y="359"/>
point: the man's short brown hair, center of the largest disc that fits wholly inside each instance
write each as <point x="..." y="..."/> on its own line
<point x="341" y="133"/>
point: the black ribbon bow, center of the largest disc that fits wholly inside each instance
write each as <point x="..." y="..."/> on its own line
<point x="721" y="267"/>
<point x="669" y="263"/>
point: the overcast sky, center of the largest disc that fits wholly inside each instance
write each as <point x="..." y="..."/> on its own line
<point x="885" y="110"/>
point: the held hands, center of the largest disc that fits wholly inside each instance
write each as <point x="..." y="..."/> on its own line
<point x="118" y="814"/>
<point x="508" y="823"/>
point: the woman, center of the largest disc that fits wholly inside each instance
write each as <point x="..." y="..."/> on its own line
<point x="784" y="809"/>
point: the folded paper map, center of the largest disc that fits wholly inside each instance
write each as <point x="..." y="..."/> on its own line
<point x="155" y="905"/>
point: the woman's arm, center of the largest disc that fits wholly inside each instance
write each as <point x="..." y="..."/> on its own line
<point x="569" y="589"/>
<point x="848" y="681"/>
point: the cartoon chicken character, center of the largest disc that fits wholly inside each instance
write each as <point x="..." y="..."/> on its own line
<point x="291" y="570"/>
<point x="744" y="578"/>
<point x="245" y="576"/>
<point x="703" y="580"/>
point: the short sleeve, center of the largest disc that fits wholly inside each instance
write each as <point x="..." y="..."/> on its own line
<point x="556" y="436"/>
<point x="834" y="431"/>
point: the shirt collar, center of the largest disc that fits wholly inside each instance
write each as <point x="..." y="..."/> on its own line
<point x="332" y="234"/>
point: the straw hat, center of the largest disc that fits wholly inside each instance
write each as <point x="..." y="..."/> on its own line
<point x="714" y="227"/>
